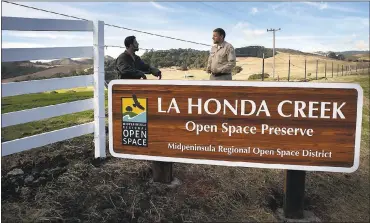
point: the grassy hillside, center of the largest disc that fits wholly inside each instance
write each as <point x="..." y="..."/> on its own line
<point x="14" y="69"/>
<point x="354" y="52"/>
<point x="55" y="72"/>
<point x="294" y="52"/>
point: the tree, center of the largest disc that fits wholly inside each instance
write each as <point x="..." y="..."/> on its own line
<point x="341" y="57"/>
<point x="332" y="55"/>
<point x="254" y="51"/>
<point x="177" y="57"/>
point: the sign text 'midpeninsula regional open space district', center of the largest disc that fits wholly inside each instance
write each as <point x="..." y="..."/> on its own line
<point x="313" y="125"/>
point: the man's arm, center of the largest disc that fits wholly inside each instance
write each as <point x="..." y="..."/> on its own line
<point x="127" y="70"/>
<point x="146" y="68"/>
<point x="231" y="61"/>
<point x="143" y="66"/>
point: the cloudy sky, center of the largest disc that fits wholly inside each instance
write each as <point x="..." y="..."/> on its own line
<point x="306" y="26"/>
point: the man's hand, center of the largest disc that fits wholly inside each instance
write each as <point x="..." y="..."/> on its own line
<point x="156" y="72"/>
<point x="143" y="76"/>
<point x="159" y="75"/>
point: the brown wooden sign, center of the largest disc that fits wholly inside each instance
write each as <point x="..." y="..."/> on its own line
<point x="299" y="126"/>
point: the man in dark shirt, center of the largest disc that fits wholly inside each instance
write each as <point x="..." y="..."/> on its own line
<point x="130" y="66"/>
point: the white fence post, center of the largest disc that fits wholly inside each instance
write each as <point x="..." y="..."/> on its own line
<point x="99" y="99"/>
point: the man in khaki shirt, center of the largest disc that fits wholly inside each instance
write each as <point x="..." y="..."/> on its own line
<point x="222" y="58"/>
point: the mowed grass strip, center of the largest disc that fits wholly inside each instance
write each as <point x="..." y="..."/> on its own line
<point x="29" y="101"/>
<point x="45" y="125"/>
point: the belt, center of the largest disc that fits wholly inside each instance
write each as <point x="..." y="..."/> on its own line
<point x="220" y="74"/>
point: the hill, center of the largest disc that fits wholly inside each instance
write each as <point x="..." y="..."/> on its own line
<point x="357" y="55"/>
<point x="27" y="70"/>
<point x="253" y="51"/>
<point x="352" y="55"/>
<point x="90" y="61"/>
<point x="354" y="52"/>
<point x="85" y="61"/>
<point x="14" y="69"/>
<point x="297" y="52"/>
<point x="65" y="61"/>
<point x="54" y="72"/>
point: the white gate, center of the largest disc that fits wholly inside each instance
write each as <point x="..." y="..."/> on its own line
<point x="26" y="87"/>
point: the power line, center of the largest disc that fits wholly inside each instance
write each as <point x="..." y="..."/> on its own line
<point x="290" y="63"/>
<point x="120" y="27"/>
<point x="153" y="34"/>
<point x="43" y="10"/>
<point x="123" y="47"/>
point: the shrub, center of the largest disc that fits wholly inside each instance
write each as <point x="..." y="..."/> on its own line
<point x="258" y="76"/>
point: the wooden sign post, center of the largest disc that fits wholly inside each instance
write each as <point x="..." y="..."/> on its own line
<point x="292" y="126"/>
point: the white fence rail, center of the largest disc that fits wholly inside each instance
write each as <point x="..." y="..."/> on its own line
<point x="29" y="87"/>
<point x="17" y="88"/>
<point x="27" y="143"/>
<point x="22" y="54"/>
<point x="34" y="24"/>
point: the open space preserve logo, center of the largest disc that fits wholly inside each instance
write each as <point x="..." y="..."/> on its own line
<point x="134" y="121"/>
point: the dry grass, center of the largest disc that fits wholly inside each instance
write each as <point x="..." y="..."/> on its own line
<point x="121" y="190"/>
<point x="118" y="190"/>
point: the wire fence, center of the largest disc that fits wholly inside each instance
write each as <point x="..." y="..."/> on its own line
<point x="303" y="69"/>
<point x="299" y="68"/>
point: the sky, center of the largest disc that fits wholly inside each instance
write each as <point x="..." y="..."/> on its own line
<point x="305" y="26"/>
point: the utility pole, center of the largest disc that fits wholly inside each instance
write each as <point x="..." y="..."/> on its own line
<point x="273" y="51"/>
<point x="289" y="69"/>
<point x="263" y="66"/>
<point x="305" y="69"/>
<point x="317" y="67"/>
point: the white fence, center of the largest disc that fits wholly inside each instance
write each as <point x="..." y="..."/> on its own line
<point x="26" y="87"/>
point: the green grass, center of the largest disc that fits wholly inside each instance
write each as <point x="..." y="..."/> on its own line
<point x="28" y="101"/>
<point x="33" y="128"/>
<point x="363" y="80"/>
